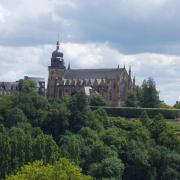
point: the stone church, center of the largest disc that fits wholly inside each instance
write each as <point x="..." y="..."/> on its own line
<point x="113" y="84"/>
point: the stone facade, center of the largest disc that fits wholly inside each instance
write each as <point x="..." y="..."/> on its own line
<point x="113" y="84"/>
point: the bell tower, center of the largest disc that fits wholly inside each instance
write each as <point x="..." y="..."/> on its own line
<point x="56" y="71"/>
<point x="57" y="58"/>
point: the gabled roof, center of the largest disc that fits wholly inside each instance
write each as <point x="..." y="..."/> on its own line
<point x="92" y="73"/>
<point x="9" y="85"/>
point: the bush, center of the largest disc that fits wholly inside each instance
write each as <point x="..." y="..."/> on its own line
<point x="131" y="112"/>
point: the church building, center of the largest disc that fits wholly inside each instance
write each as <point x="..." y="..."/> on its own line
<point x="113" y="83"/>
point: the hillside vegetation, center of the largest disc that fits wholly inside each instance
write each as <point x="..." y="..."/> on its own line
<point x="67" y="131"/>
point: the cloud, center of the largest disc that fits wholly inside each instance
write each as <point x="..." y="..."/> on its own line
<point x="17" y="62"/>
<point x="130" y="26"/>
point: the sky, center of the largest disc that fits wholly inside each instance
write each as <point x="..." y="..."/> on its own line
<point x="143" y="34"/>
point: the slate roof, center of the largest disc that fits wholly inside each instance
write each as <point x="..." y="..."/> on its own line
<point x="9" y="85"/>
<point x="92" y="73"/>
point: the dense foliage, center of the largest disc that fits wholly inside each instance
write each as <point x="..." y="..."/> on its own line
<point x="97" y="100"/>
<point x="146" y="96"/>
<point x="62" y="169"/>
<point x="133" y="112"/>
<point x="35" y="128"/>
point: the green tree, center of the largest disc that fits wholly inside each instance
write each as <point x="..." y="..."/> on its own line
<point x="14" y="116"/>
<point x="145" y="119"/>
<point x="158" y="126"/>
<point x="57" y="121"/>
<point x="78" y="109"/>
<point x="5" y="151"/>
<point x="110" y="168"/>
<point x="171" y="173"/>
<point x="63" y="169"/>
<point x="90" y="136"/>
<point x="149" y="94"/>
<point x="17" y="141"/>
<point x="51" y="150"/>
<point x="165" y="162"/>
<point x="101" y="151"/>
<point x="137" y="160"/>
<point x="70" y="147"/>
<point x="97" y="100"/>
<point x="45" y="148"/>
<point x="116" y="139"/>
<point x="131" y="100"/>
<point x="28" y="148"/>
<point x="102" y="116"/>
<point x="28" y="86"/>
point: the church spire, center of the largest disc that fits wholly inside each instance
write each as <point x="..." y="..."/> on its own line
<point x="57" y="45"/>
<point x="69" y="66"/>
<point x="129" y="71"/>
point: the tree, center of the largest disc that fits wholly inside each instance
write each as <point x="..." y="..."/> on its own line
<point x="57" y="121"/>
<point x="158" y="126"/>
<point x="28" y="86"/>
<point x="145" y="119"/>
<point x="61" y="170"/>
<point x="170" y="173"/>
<point x="110" y="168"/>
<point x="102" y="116"/>
<point x="78" y="108"/>
<point x="165" y="162"/>
<point x="70" y="147"/>
<point x="137" y="160"/>
<point x="28" y="148"/>
<point x="45" y="148"/>
<point x="116" y="139"/>
<point x="17" y="142"/>
<point x="150" y="95"/>
<point x="101" y="151"/>
<point x="14" y="116"/>
<point x="131" y="100"/>
<point x="90" y="136"/>
<point x="78" y="102"/>
<point x="5" y="150"/>
<point x="163" y="134"/>
<point x="97" y="100"/>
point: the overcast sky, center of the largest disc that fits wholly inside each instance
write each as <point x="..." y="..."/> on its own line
<point x="103" y="33"/>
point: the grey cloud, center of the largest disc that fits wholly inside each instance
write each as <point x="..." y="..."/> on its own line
<point x="129" y="26"/>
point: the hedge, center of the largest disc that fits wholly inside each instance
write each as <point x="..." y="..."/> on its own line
<point x="131" y="112"/>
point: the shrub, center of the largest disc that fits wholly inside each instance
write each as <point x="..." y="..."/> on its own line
<point x="131" y="112"/>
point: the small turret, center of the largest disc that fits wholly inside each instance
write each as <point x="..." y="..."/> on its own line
<point x="134" y="81"/>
